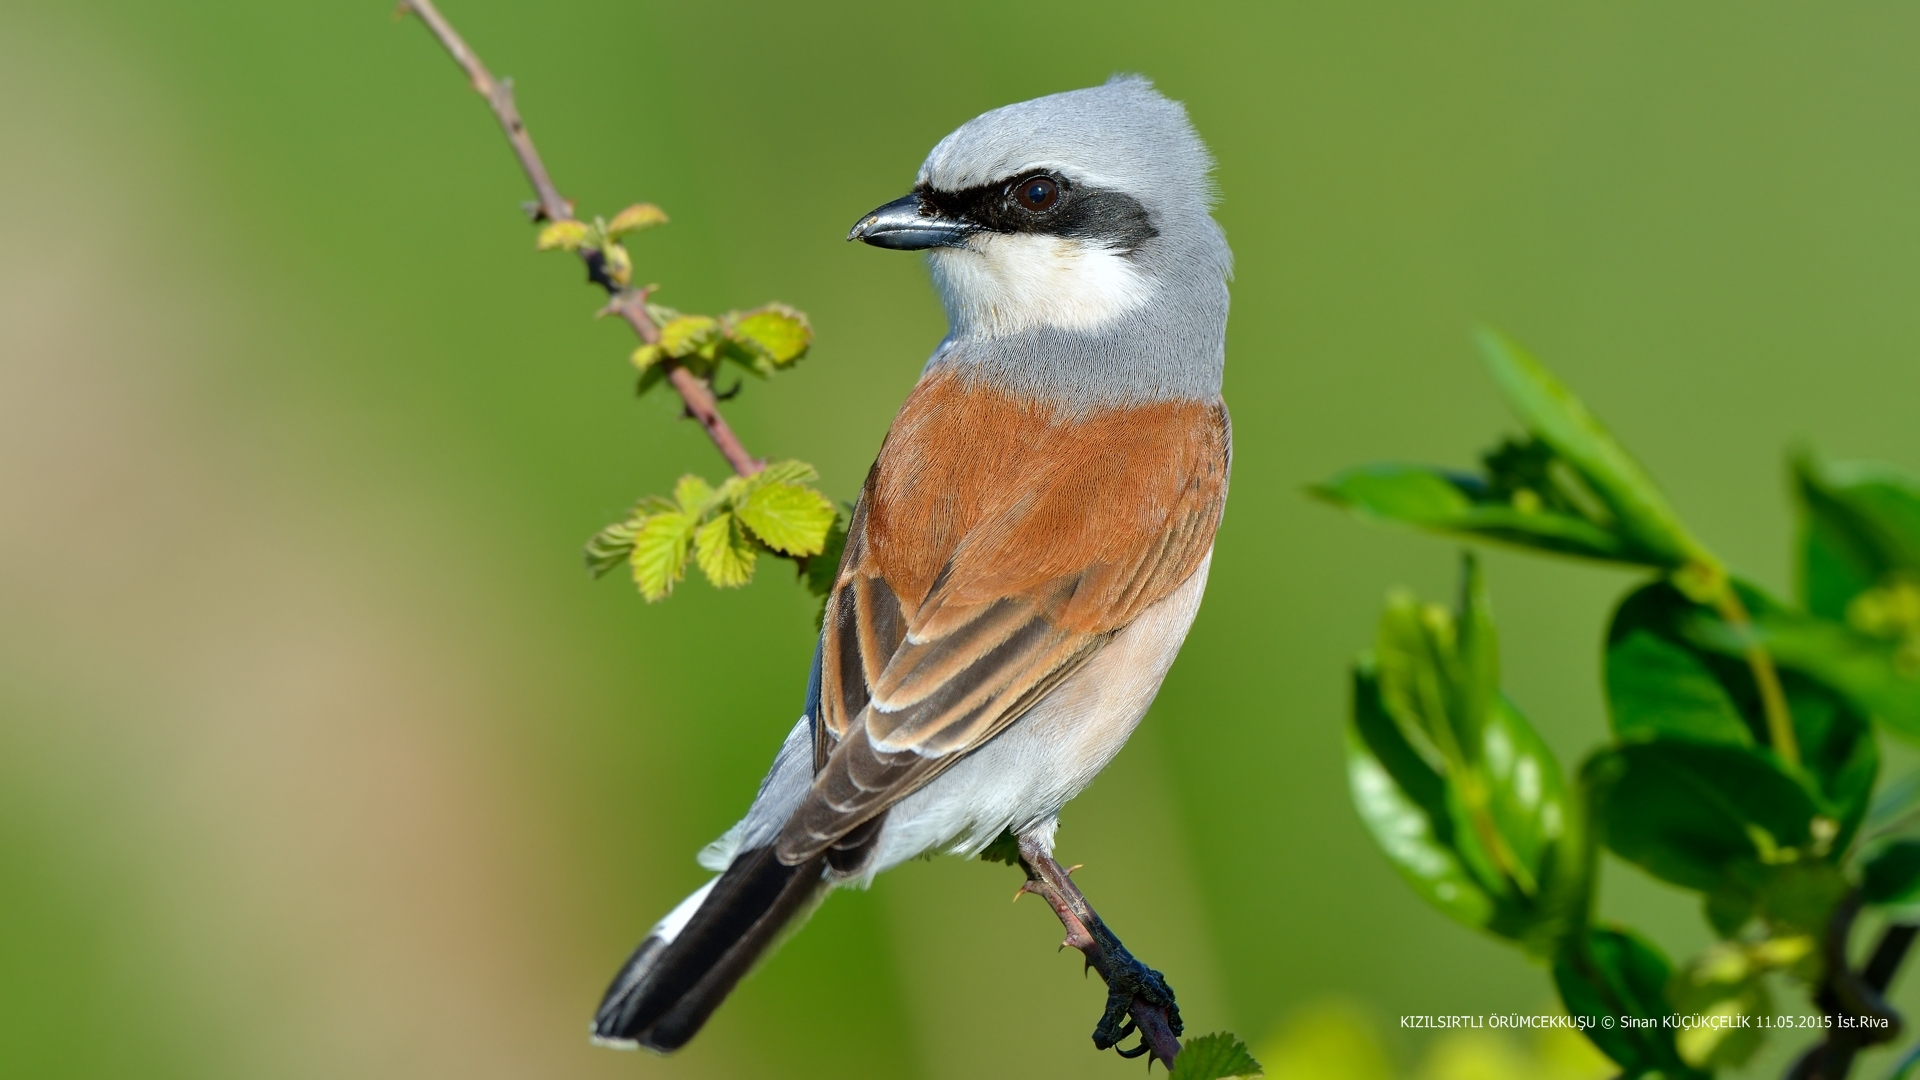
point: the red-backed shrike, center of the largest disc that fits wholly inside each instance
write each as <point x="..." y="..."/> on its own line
<point x="1028" y="550"/>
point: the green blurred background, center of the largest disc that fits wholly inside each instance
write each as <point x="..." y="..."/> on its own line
<point x="321" y="757"/>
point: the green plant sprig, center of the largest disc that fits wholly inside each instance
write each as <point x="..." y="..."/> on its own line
<point x="1744" y="749"/>
<point x="1570" y="488"/>
<point x="723" y="528"/>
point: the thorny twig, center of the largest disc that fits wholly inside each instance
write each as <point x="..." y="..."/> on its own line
<point x="1158" y="1023"/>
<point x="629" y="304"/>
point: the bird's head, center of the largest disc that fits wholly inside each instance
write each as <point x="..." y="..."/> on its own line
<point x="1066" y="213"/>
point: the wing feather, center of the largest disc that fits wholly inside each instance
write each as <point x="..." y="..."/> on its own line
<point x="981" y="573"/>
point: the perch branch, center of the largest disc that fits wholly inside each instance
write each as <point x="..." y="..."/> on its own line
<point x="629" y="304"/>
<point x="1050" y="881"/>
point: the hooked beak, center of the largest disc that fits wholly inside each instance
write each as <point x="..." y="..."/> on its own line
<point x="908" y="224"/>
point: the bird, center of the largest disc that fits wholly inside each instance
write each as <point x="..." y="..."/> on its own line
<point x="1027" y="552"/>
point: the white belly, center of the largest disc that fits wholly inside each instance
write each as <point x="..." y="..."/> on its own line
<point x="1021" y="778"/>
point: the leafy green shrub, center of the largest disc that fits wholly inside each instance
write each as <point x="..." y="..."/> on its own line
<point x="1744" y="749"/>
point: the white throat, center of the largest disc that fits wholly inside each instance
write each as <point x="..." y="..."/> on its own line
<point x="1003" y="284"/>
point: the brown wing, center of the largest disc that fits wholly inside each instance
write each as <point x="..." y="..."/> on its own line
<point x="997" y="545"/>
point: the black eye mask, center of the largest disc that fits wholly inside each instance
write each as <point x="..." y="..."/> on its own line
<point x="1079" y="212"/>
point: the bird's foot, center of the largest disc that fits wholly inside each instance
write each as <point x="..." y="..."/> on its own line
<point x="1129" y="980"/>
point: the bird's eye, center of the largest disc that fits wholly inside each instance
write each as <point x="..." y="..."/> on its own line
<point x="1037" y="192"/>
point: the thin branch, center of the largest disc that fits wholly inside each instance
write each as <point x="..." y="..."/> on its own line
<point x="499" y="94"/>
<point x="1158" y="1022"/>
<point x="629" y="304"/>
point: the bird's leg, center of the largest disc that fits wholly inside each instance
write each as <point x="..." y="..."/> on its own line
<point x="1137" y="996"/>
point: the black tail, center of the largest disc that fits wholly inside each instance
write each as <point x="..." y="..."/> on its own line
<point x="672" y="983"/>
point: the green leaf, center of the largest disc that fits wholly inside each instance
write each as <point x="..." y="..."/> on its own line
<point x="1551" y="412"/>
<point x="1706" y="816"/>
<point x="1402" y="801"/>
<point x="1661" y="686"/>
<point x="1860" y="521"/>
<point x="1730" y="908"/>
<point x="565" y="235"/>
<point x="1535" y="818"/>
<point x="646" y="356"/>
<point x="1837" y="750"/>
<point x="1531" y="475"/>
<point x="610" y="547"/>
<point x="1457" y="788"/>
<point x="1219" y="1056"/>
<point x="786" y="472"/>
<point x="660" y="548"/>
<point x="652" y="374"/>
<point x="1676" y="670"/>
<point x="1422" y="682"/>
<point x="1476" y="645"/>
<point x="1725" y="985"/>
<point x="1460" y="505"/>
<point x="1889" y="610"/>
<point x="1004" y="849"/>
<point x="636" y="218"/>
<point x="724" y="551"/>
<point x="819" y="572"/>
<point x="683" y="335"/>
<point x="1891" y="875"/>
<point x="1615" y="973"/>
<point x="1875" y="674"/>
<point x="616" y="263"/>
<point x="1798" y="897"/>
<point x="1726" y="1039"/>
<point x="693" y="495"/>
<point x="789" y="518"/>
<point x="773" y="336"/>
<point x="822" y="570"/>
<point x="1896" y="808"/>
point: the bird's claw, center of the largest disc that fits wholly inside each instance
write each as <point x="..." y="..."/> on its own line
<point x="1128" y="981"/>
<point x="1142" y="1048"/>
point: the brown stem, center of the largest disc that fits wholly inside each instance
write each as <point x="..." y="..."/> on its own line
<point x="629" y="304"/>
<point x="1051" y="882"/>
<point x="1773" y="699"/>
<point x="499" y="94"/>
<point x="702" y="406"/>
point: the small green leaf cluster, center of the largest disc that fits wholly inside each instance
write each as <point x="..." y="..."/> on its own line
<point x="603" y="236"/>
<point x="762" y="341"/>
<point x="1743" y="753"/>
<point x="723" y="529"/>
<point x="1453" y="782"/>
<point x="1566" y="487"/>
